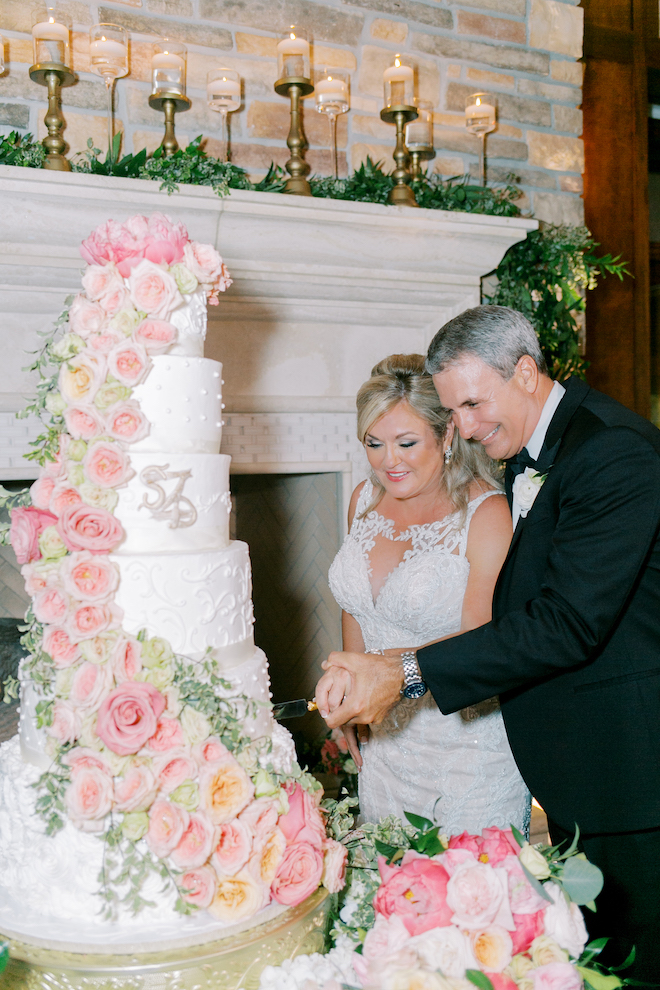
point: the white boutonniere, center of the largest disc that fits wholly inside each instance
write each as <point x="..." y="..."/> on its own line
<point x="526" y="487"/>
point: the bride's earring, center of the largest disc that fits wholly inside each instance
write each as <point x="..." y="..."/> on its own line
<point x="449" y="453"/>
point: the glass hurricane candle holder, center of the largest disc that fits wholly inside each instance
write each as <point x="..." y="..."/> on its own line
<point x="419" y="135"/>
<point x="223" y="93"/>
<point x="51" y="33"/>
<point x="399" y="85"/>
<point x="331" y="95"/>
<point x="108" y="57"/>
<point x="481" y="119"/>
<point x="293" y="55"/>
<point x="168" y="68"/>
<point x="3" y="43"/>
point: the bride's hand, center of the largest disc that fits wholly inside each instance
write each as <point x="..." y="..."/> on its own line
<point x="332" y="689"/>
<point x="373" y="688"/>
<point x="354" y="735"/>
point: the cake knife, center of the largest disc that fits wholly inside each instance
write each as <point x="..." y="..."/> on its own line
<point x="293" y="709"/>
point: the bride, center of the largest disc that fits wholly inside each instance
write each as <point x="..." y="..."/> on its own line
<point x="428" y="534"/>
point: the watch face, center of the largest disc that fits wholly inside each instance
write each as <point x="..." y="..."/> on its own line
<point x="415" y="690"/>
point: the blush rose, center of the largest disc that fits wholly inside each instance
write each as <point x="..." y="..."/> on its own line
<point x="195" y="845"/>
<point x="128" y="717"/>
<point x="107" y="465"/>
<point x="299" y="874"/>
<point x="84" y="527"/>
<point x="27" y="525"/>
<point x="57" y="645"/>
<point x="88" y="799"/>
<point x="232" y="848"/>
<point x="167" y="823"/>
<point x="153" y="290"/>
<point x="89" y="577"/>
<point x="198" y="886"/>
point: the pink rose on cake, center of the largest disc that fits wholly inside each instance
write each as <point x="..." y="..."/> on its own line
<point x="209" y="751"/>
<point x="87" y="621"/>
<point x="267" y="856"/>
<point x="83" y="527"/>
<point x="168" y="736"/>
<point x="127" y="422"/>
<point x="128" y="717"/>
<point x="261" y="816"/>
<point x="41" y="491"/>
<point x="167" y="823"/>
<point x="198" y="886"/>
<point x="107" y="465"/>
<point x="66" y="725"/>
<point x="195" y="845"/>
<point x="128" y="363"/>
<point x="156" y="335"/>
<point x="204" y="262"/>
<point x="39" y="576"/>
<point x="123" y="244"/>
<point x="85" y="316"/>
<point x="173" y="769"/>
<point x="63" y="496"/>
<point x="165" y="240"/>
<point x="303" y="822"/>
<point x="334" y="866"/>
<point x="101" y="281"/>
<point x="81" y="758"/>
<point x="91" y="683"/>
<point x="57" y="645"/>
<point x="51" y="606"/>
<point x="299" y="874"/>
<point x="238" y="897"/>
<point x="89" y="577"/>
<point x="104" y="341"/>
<point x="136" y="790"/>
<point x="27" y="525"/>
<point x="81" y="376"/>
<point x="153" y="290"/>
<point x="233" y="847"/>
<point x="88" y="799"/>
<point x="225" y="789"/>
<point x="126" y="659"/>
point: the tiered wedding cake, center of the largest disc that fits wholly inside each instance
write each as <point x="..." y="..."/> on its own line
<point x="149" y="799"/>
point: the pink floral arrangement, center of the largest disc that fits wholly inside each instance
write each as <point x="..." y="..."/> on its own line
<point x="131" y="754"/>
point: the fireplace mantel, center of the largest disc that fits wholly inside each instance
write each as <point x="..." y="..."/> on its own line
<point x="322" y="288"/>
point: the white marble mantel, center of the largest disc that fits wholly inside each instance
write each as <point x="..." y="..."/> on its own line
<point x="322" y="288"/>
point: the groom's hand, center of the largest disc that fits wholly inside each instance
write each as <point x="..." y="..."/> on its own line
<point x="374" y="687"/>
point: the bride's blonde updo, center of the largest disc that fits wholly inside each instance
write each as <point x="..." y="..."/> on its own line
<point x="402" y="378"/>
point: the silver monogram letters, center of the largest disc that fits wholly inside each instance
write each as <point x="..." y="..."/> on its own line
<point x="175" y="507"/>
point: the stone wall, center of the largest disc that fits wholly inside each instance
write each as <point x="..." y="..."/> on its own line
<point x="525" y="50"/>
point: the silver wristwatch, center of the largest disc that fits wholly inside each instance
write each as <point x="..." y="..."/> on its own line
<point x="413" y="683"/>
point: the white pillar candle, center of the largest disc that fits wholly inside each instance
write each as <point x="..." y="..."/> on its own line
<point x="51" y="42"/>
<point x="50" y="31"/>
<point x="221" y="88"/>
<point x="168" y="73"/>
<point x="398" y="82"/>
<point x="167" y="60"/>
<point x="293" y="56"/>
<point x="334" y="90"/>
<point x="108" y="48"/>
<point x="480" y="117"/>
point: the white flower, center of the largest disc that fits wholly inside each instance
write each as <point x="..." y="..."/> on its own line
<point x="526" y="487"/>
<point x="534" y="861"/>
<point x="564" y="923"/>
<point x="446" y="949"/>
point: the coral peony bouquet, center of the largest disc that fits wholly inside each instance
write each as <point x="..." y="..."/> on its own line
<point x="148" y="751"/>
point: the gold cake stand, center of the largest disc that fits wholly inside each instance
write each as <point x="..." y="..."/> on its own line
<point x="229" y="963"/>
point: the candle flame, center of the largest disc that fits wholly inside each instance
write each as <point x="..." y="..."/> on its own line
<point x="329" y="78"/>
<point x="478" y="101"/>
<point x="397" y="61"/>
<point x="51" y="20"/>
<point x="292" y="36"/>
<point x="103" y="37"/>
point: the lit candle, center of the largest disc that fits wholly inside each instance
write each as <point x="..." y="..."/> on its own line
<point x="223" y="92"/>
<point x="108" y="48"/>
<point x="480" y="116"/>
<point x="398" y="81"/>
<point x="51" y="42"/>
<point x="169" y="73"/>
<point x="293" y="56"/>
<point x="167" y="60"/>
<point x="331" y="90"/>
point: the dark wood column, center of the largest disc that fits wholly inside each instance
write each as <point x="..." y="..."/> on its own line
<point x="621" y="40"/>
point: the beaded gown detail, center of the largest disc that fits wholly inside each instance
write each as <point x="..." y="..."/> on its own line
<point x="454" y="769"/>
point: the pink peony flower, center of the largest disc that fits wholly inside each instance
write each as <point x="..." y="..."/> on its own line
<point x="107" y="465"/>
<point x="168" y="736"/>
<point x="556" y="976"/>
<point x="83" y="527"/>
<point x="87" y="621"/>
<point x="156" y="335"/>
<point x="128" y="363"/>
<point x="210" y="751"/>
<point x="466" y="841"/>
<point x="66" y="724"/>
<point x="91" y="683"/>
<point x="478" y="896"/>
<point x="88" y="799"/>
<point x="125" y="421"/>
<point x="85" y="317"/>
<point x="303" y="822"/>
<point x="299" y="874"/>
<point x="165" y="240"/>
<point x="127" y="659"/>
<point x="416" y="891"/>
<point x="51" y="606"/>
<point x="195" y="845"/>
<point x="203" y="261"/>
<point x="497" y="844"/>
<point x="41" y="491"/>
<point x="522" y="896"/>
<point x="81" y="376"/>
<point x="528" y="926"/>
<point x="198" y="886"/>
<point x="334" y="866"/>
<point x="225" y="789"/>
<point x="153" y="290"/>
<point x="233" y="847"/>
<point x="123" y="244"/>
<point x="57" y="645"/>
<point x="136" y="790"/>
<point x="260" y="816"/>
<point x="167" y="823"/>
<point x="82" y="758"/>
<point x="63" y="496"/>
<point x="173" y="768"/>
<point x="492" y="947"/>
<point x="128" y="717"/>
<point x="89" y="577"/>
<point x="27" y="525"/>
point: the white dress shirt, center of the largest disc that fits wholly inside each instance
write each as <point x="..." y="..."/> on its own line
<point x="535" y="442"/>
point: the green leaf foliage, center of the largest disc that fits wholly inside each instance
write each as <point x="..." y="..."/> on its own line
<point x="20" y="149"/>
<point x="4" y="956"/>
<point x="581" y="880"/>
<point x="479" y="979"/>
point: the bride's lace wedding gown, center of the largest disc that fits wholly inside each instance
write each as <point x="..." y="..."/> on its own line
<point x="455" y="769"/>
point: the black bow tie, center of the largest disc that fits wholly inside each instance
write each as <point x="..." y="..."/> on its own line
<point x="521" y="461"/>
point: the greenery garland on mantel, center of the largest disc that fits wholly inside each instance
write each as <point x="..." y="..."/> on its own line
<point x="546" y="276"/>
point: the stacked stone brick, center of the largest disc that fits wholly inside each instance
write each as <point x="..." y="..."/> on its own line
<point x="526" y="51"/>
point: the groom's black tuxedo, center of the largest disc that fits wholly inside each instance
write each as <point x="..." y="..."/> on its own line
<point x="574" y="646"/>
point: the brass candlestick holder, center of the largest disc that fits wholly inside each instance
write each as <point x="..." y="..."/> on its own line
<point x="417" y="157"/>
<point x="295" y="87"/>
<point x="170" y="104"/>
<point x="54" y="75"/>
<point x="401" y="194"/>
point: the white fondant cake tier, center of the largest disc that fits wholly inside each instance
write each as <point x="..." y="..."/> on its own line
<point x="182" y="399"/>
<point x="193" y="600"/>
<point x="177" y="502"/>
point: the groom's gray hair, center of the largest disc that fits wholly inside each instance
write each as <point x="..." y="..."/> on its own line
<point x="498" y="335"/>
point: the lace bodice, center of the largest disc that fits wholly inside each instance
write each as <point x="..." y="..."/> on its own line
<point x="456" y="769"/>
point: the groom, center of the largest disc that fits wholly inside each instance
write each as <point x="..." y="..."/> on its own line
<point x="573" y="648"/>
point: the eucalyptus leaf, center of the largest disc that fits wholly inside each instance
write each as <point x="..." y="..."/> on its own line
<point x="581" y="880"/>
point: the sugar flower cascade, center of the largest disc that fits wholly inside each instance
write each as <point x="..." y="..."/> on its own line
<point x="148" y="748"/>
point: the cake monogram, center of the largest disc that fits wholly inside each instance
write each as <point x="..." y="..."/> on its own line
<point x="164" y="750"/>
